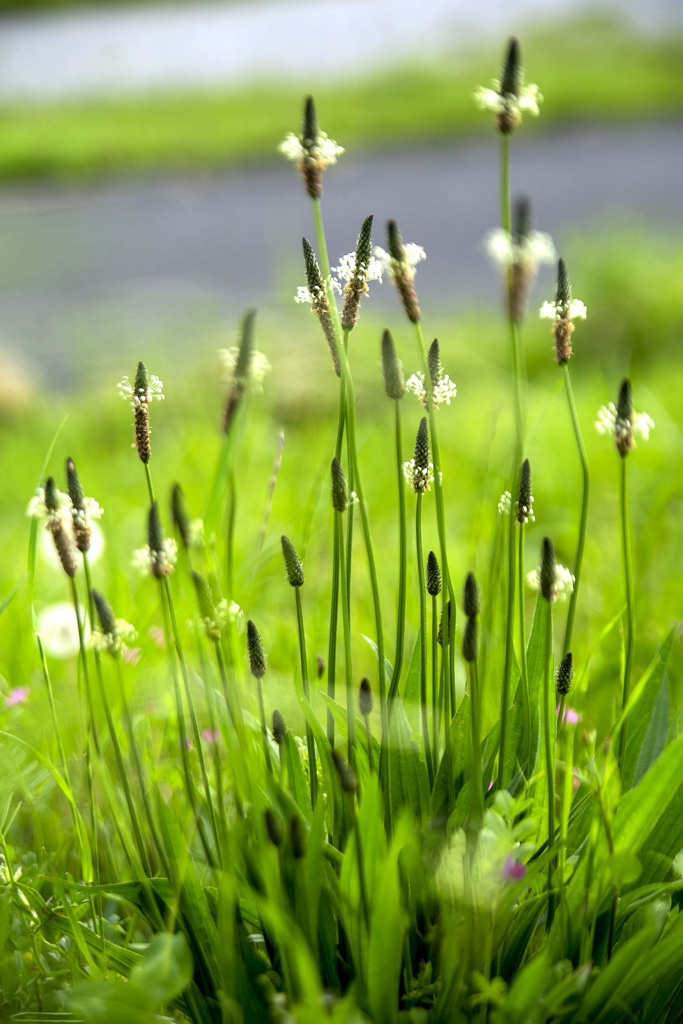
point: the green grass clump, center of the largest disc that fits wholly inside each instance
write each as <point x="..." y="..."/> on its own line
<point x="282" y="779"/>
<point x="622" y="77"/>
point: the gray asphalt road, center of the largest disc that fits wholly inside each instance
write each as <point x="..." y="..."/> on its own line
<point x="84" y="272"/>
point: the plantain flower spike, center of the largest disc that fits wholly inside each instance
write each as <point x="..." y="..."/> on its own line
<point x="320" y="303"/>
<point x="401" y="265"/>
<point x="548" y="575"/>
<point x="279" y="727"/>
<point x="347" y="777"/>
<point x="357" y="285"/>
<point x="181" y="519"/>
<point x="392" y="371"/>
<point x="525" y="502"/>
<point x="55" y="523"/>
<point x="240" y="377"/>
<point x="257" y="658"/>
<point x="622" y="422"/>
<point x="470" y="600"/>
<point x="564" y="675"/>
<point x="312" y="151"/>
<point x="509" y="98"/>
<point x="563" y="311"/>
<point x="340" y="498"/>
<point x="433" y="575"/>
<point x="365" y="699"/>
<point x="140" y="394"/>
<point x="293" y="566"/>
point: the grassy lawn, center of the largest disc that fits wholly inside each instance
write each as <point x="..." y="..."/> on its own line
<point x="620" y="78"/>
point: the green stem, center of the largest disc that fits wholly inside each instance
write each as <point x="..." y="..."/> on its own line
<point x="475" y="721"/>
<point x="509" y="623"/>
<point x="304" y="682"/>
<point x="526" y="710"/>
<point x="423" y="640"/>
<point x="348" y="669"/>
<point x="436" y="702"/>
<point x="368" y="738"/>
<point x="148" y="478"/>
<point x="402" y="560"/>
<point x="264" y="727"/>
<point x="549" y="736"/>
<point x="578" y="561"/>
<point x="630" y="608"/>
<point x="334" y="620"/>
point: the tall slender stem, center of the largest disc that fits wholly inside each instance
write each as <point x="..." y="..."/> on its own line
<point x="630" y="608"/>
<point x="402" y="561"/>
<point x="578" y="561"/>
<point x="549" y="737"/>
<point x="423" y="640"/>
<point x="304" y="682"/>
<point x="346" y="621"/>
<point x="522" y="627"/>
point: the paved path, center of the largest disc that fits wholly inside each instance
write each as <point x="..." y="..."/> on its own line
<point x="90" y="271"/>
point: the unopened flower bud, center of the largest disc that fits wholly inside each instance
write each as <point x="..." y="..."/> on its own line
<point x="564" y="675"/>
<point x="257" y="658"/>
<point x="394" y="383"/>
<point x="547" y="577"/>
<point x="297" y="837"/>
<point x="623" y="429"/>
<point x="433" y="575"/>
<point x="525" y="502"/>
<point x="340" y="498"/>
<point x="279" y="727"/>
<point x="470" y="598"/>
<point x="105" y="613"/>
<point x="293" y="566"/>
<point x="469" y="640"/>
<point x="365" y="699"/>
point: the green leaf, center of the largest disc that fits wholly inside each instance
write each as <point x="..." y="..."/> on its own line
<point x="112" y="1002"/>
<point x="408" y="772"/>
<point x="535" y="660"/>
<point x="388" y="923"/>
<point x="639" y="709"/>
<point x="656" y="732"/>
<point x="165" y="969"/>
<point x="608" y="985"/>
<point x="296" y="777"/>
<point x="460" y="733"/>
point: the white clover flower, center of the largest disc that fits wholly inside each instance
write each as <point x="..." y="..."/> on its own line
<point x="324" y="150"/>
<point x="609" y="423"/>
<point x="505" y="504"/>
<point x="443" y="391"/>
<point x="509" y="105"/>
<point x="563" y="585"/>
<point x="156" y="562"/>
<point x="530" y="250"/>
<point x="420" y="479"/>
<point x="413" y="254"/>
<point x="573" y="310"/>
<point x="259" y="367"/>
<point x="141" y="396"/>
<point x="114" y="643"/>
<point x="58" y="630"/>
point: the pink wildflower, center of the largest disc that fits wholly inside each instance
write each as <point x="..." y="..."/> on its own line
<point x="512" y="869"/>
<point x="17" y="695"/>
<point x="211" y="735"/>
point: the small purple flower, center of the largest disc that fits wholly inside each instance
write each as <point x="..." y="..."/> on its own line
<point x="569" y="716"/>
<point x="188" y="743"/>
<point x="211" y="735"/>
<point x="17" y="695"/>
<point x="512" y="869"/>
<point x="132" y="655"/>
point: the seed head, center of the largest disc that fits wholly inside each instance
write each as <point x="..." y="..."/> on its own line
<point x="624" y="422"/>
<point x="421" y="464"/>
<point x="340" y="498"/>
<point x="433" y="575"/>
<point x="510" y="78"/>
<point x="297" y="837"/>
<point x="279" y="728"/>
<point x="55" y="524"/>
<point x="257" y="658"/>
<point x="547" y="574"/>
<point x="207" y="607"/>
<point x="113" y="634"/>
<point x="365" y="699"/>
<point x="470" y="598"/>
<point x="469" y="641"/>
<point x="105" y="613"/>
<point x="402" y="269"/>
<point x="564" y="675"/>
<point x="347" y="777"/>
<point x="293" y="566"/>
<point x="525" y="502"/>
<point x="274" y="827"/>
<point x="394" y="383"/>
<point x="320" y="303"/>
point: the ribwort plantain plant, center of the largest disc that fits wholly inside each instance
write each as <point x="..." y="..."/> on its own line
<point x="437" y="843"/>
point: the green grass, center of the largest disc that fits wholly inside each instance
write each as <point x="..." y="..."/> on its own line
<point x="594" y="68"/>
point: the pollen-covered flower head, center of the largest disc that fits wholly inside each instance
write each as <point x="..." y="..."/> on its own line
<point x="114" y="635"/>
<point x="83" y="510"/>
<point x="54" y="508"/>
<point x="312" y="151"/>
<point x="509" y="98"/>
<point x="316" y="294"/>
<point x="419" y="471"/>
<point x="355" y="270"/>
<point x="561" y="586"/>
<point x="400" y="263"/>
<point x="563" y="311"/>
<point x="519" y="253"/>
<point x="159" y="555"/>
<point x="622" y="422"/>
<point x="145" y="388"/>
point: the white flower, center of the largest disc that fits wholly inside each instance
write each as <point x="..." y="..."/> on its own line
<point x="505" y="504"/>
<point x="58" y="630"/>
<point x="563" y="585"/>
<point x="443" y="391"/>
<point x="303" y="294"/>
<point x="609" y="423"/>
<point x="574" y="309"/>
<point x="419" y="479"/>
<point x="324" y="150"/>
<point x="156" y="562"/>
<point x="346" y="268"/>
<point x="414" y="254"/>
<point x="526" y="102"/>
<point x="259" y="367"/>
<point x="95" y="551"/>
<point x="531" y="249"/>
<point x="140" y="396"/>
<point x="114" y="643"/>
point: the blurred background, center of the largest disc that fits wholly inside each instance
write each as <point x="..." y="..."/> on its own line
<point x="143" y="204"/>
